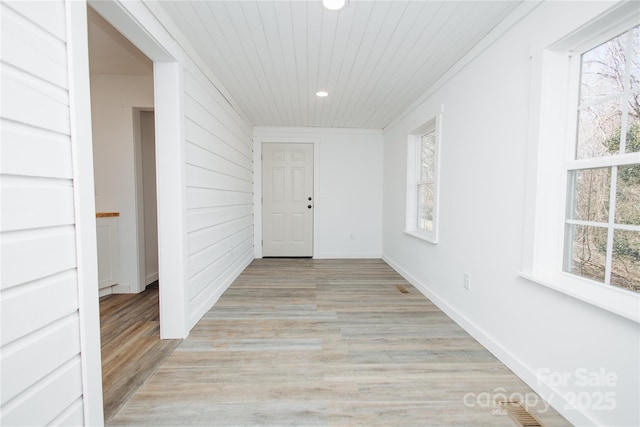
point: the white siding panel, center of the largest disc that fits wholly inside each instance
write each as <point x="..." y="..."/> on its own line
<point x="47" y="399"/>
<point x="34" y="203"/>
<point x="200" y="239"/>
<point x="35" y="51"/>
<point x="48" y="15"/>
<point x="200" y="136"/>
<point x="199" y="304"/>
<point x="72" y="416"/>
<point x="211" y="274"/>
<point x="202" y="218"/>
<point x="28" y="100"/>
<point x="219" y="175"/>
<point x="205" y="159"/>
<point x="202" y="178"/>
<point x="28" y="308"/>
<point x="31" y="152"/>
<point x="201" y="260"/>
<point x="25" y="362"/>
<point x="34" y="255"/>
<point x="218" y="108"/>
<point x="204" y="198"/>
<point x="202" y="116"/>
<point x="41" y="367"/>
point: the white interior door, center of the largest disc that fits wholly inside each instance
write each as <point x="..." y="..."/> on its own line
<point x="287" y="200"/>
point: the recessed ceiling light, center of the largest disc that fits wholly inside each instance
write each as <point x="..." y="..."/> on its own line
<point x="322" y="93"/>
<point x="334" y="4"/>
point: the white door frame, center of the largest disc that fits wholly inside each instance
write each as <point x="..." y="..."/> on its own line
<point x="170" y="155"/>
<point x="257" y="188"/>
<point x="85" y="211"/>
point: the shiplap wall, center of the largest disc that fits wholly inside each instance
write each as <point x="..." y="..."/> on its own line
<point x="41" y="365"/>
<point x="219" y="174"/>
<point x="218" y="169"/>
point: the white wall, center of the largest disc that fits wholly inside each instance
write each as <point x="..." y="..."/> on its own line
<point x="113" y="100"/>
<point x="50" y="354"/>
<point x="484" y="137"/>
<point x="348" y="200"/>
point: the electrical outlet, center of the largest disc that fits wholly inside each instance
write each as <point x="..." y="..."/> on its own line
<point x="467" y="281"/>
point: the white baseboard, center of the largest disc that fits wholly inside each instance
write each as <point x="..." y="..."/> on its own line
<point x="105" y="291"/>
<point x="122" y="289"/>
<point x="552" y="396"/>
<point x="151" y="278"/>
<point x="346" y="255"/>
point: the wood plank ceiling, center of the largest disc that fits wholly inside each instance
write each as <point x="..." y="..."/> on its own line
<point x="375" y="58"/>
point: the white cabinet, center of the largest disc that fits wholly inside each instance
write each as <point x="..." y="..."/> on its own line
<point x="108" y="249"/>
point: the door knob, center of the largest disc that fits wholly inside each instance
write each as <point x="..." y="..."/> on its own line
<point x="309" y="206"/>
<point x="309" y="199"/>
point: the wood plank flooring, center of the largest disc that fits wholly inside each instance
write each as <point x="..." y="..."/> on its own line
<point x="301" y="342"/>
<point x="131" y="345"/>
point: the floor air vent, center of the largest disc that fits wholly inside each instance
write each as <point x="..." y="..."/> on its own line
<point x="519" y="414"/>
<point x="402" y="289"/>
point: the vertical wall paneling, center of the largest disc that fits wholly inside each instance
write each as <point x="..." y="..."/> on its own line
<point x="47" y="231"/>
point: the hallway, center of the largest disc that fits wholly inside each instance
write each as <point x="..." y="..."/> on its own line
<point x="325" y="342"/>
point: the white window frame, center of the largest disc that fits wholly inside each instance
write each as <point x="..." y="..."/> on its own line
<point x="413" y="180"/>
<point x="613" y="161"/>
<point x="555" y="79"/>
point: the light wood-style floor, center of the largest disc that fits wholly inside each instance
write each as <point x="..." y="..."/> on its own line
<point x="301" y="342"/>
<point x="131" y="345"/>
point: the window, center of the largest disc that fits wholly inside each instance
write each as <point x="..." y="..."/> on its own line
<point x="422" y="182"/>
<point x="582" y="205"/>
<point x="602" y="225"/>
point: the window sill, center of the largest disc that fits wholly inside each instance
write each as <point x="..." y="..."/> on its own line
<point x="422" y="236"/>
<point x="610" y="298"/>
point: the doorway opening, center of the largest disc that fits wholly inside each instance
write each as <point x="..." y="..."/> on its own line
<point x="123" y="135"/>
<point x="167" y="104"/>
<point x="122" y="93"/>
<point x="128" y="90"/>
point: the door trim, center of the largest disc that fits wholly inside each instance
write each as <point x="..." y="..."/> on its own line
<point x="170" y="147"/>
<point x="84" y="211"/>
<point x="257" y="188"/>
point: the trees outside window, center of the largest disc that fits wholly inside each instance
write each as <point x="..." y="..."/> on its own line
<point x="426" y="144"/>
<point x="602" y="227"/>
<point x="422" y="181"/>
